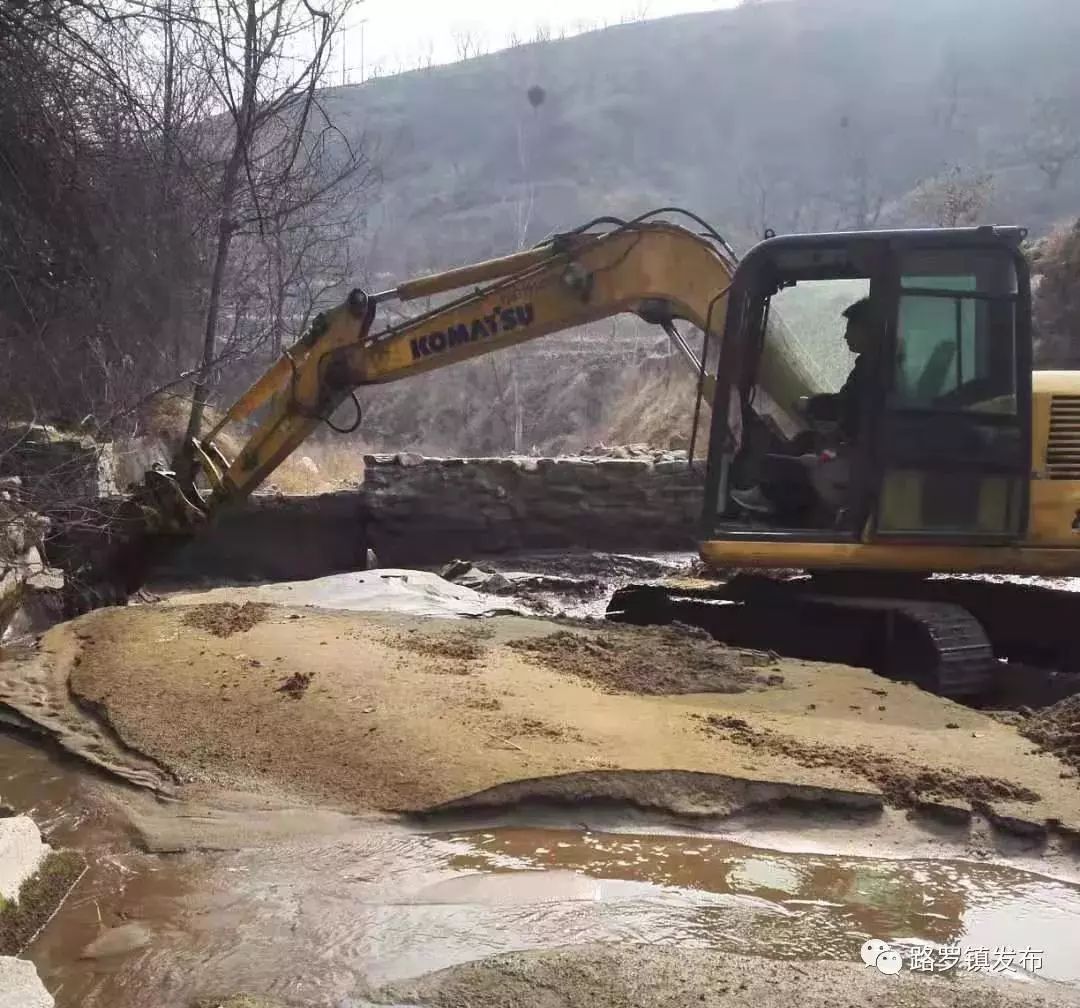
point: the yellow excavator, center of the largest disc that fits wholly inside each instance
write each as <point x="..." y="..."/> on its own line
<point x="966" y="463"/>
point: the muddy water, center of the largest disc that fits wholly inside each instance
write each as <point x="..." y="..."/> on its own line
<point x="324" y="921"/>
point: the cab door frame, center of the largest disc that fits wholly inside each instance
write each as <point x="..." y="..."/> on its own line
<point x="739" y="359"/>
<point x="918" y="437"/>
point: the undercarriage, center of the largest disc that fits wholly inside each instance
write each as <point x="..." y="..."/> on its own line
<point x="974" y="640"/>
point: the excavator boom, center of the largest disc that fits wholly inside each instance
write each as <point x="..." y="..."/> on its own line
<point x="658" y="270"/>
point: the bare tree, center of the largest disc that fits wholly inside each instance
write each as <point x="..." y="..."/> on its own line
<point x="275" y="147"/>
<point x="853" y="169"/>
<point x="638" y="12"/>
<point x="770" y="196"/>
<point x="468" y="42"/>
<point x="100" y="217"/>
<point x="425" y="54"/>
<point x="955" y="198"/>
<point x="1053" y="140"/>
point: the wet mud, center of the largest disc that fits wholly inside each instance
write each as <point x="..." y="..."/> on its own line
<point x="379" y="712"/>
<point x="672" y="829"/>
<point x="903" y="783"/>
<point x="658" y="661"/>
<point x="313" y="917"/>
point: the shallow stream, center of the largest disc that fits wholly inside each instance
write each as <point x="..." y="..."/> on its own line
<point x="328" y="920"/>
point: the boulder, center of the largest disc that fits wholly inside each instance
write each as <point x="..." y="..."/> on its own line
<point x="25" y="579"/>
<point x="57" y="465"/>
<point x="21" y="854"/>
<point x="20" y="985"/>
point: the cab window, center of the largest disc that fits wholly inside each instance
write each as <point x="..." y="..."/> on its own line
<point x="956" y="334"/>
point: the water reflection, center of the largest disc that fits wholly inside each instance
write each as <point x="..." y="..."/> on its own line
<point x="832" y="903"/>
<point x="321" y="921"/>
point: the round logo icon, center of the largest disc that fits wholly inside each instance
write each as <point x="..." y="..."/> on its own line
<point x="890" y="962"/>
<point x="871" y="950"/>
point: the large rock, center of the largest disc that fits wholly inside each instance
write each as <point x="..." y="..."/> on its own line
<point x="26" y="582"/>
<point x="21" y="854"/>
<point x="20" y="985"/>
<point x="58" y="466"/>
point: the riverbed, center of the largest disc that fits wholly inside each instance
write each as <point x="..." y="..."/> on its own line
<point x="532" y="815"/>
<point x="324" y="919"/>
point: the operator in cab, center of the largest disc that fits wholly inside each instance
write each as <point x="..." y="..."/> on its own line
<point x="844" y="408"/>
<point x="782" y="487"/>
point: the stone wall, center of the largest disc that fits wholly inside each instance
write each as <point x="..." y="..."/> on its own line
<point x="416" y="511"/>
<point x="56" y="467"/>
<point x="277" y="538"/>
<point x="425" y="510"/>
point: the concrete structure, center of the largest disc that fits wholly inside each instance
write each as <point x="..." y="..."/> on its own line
<point x="20" y="985"/>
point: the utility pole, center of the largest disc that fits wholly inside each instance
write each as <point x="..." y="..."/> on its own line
<point x="363" y="21"/>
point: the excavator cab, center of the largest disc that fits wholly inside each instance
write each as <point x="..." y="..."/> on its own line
<point x="942" y="453"/>
<point x="939" y="475"/>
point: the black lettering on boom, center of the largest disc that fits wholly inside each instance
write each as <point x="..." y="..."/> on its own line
<point x="501" y="320"/>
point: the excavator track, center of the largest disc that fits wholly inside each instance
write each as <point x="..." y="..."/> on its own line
<point x="939" y="646"/>
<point x="1033" y="623"/>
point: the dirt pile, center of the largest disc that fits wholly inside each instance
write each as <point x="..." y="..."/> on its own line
<point x="223" y="619"/>
<point x="453" y="646"/>
<point x="654" y="661"/>
<point x="1056" y="729"/>
<point x="903" y="783"/>
<point x="295" y="686"/>
<point x="397" y="712"/>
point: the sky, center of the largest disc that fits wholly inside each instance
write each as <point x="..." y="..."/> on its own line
<point x="388" y="36"/>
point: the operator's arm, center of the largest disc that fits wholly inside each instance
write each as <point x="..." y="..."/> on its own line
<point x="843" y="406"/>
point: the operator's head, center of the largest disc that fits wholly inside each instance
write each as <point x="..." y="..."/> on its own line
<point x="859" y="333"/>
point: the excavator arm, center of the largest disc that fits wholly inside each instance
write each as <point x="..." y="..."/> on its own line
<point x="658" y="270"/>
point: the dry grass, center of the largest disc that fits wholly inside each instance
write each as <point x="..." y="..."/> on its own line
<point x="315" y="467"/>
<point x="654" y="403"/>
<point x="39" y="897"/>
<point x="1056" y="263"/>
<point x="318" y="467"/>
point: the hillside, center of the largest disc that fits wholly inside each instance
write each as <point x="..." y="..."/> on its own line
<point x="786" y="114"/>
<point x="794" y="115"/>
